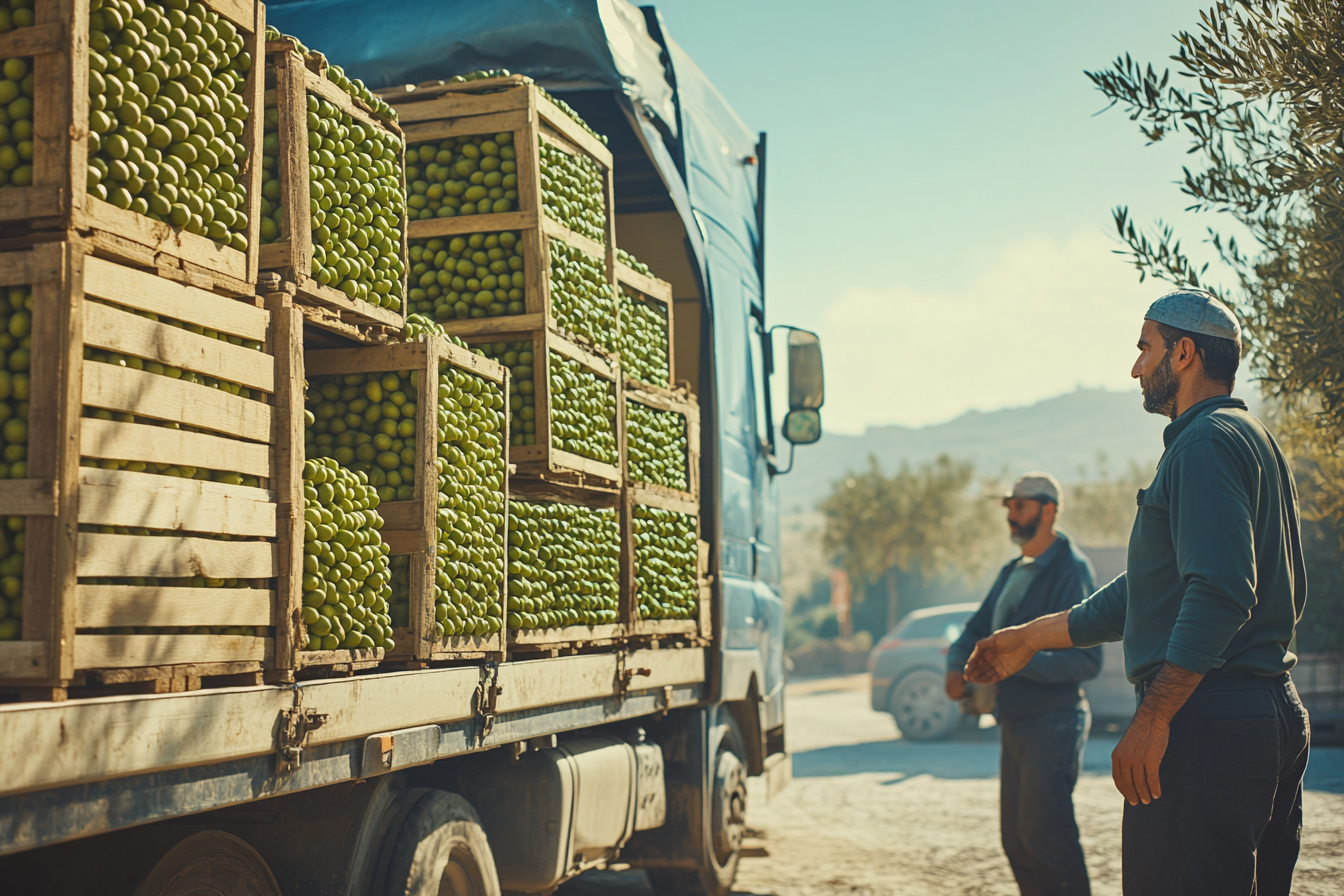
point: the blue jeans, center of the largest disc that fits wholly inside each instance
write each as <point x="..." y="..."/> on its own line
<point x="1229" y="821"/>
<point x="1038" y="768"/>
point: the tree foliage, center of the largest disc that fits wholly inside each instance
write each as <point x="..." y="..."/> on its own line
<point x="1259" y="95"/>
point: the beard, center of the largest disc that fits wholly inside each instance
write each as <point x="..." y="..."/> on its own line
<point x="1159" y="390"/>
<point x="1021" y="533"/>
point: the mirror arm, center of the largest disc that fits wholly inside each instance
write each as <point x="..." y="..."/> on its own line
<point x="776" y="471"/>
<point x="768" y="370"/>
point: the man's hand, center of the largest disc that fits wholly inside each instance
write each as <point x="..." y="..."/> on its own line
<point x="1009" y="649"/>
<point x="955" y="685"/>
<point x="1135" y="761"/>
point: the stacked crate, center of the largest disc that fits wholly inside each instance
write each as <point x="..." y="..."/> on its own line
<point x="317" y="133"/>
<point x="149" y="534"/>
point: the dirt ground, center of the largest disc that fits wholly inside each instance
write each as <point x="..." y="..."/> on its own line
<point x="869" y="813"/>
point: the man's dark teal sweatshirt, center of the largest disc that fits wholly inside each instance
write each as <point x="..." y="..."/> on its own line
<point x="1215" y="577"/>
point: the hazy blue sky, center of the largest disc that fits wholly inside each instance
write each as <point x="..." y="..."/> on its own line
<point x="940" y="190"/>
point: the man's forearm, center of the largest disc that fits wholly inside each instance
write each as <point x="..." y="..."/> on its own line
<point x="1049" y="632"/>
<point x="1167" y="694"/>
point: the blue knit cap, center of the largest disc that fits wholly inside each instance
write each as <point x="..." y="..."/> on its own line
<point x="1197" y="311"/>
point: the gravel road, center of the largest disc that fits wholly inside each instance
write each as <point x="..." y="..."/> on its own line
<point x="869" y="813"/>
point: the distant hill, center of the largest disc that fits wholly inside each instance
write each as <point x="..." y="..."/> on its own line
<point x="1062" y="435"/>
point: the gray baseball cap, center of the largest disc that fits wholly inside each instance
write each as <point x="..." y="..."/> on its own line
<point x="1195" y="310"/>
<point x="1034" y="487"/>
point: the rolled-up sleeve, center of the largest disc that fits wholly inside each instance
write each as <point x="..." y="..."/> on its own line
<point x="1101" y="617"/>
<point x="1215" y="552"/>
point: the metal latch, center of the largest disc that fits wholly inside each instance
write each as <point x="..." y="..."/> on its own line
<point x="625" y="676"/>
<point x="485" y="701"/>
<point x="295" y="725"/>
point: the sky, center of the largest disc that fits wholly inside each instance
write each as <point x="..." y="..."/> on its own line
<point x="940" y="190"/>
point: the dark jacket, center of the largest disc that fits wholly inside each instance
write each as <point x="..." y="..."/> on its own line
<point x="1216" y="577"/>
<point x="1050" y="681"/>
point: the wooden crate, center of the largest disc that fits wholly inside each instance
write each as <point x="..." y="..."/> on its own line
<point x="699" y="627"/>
<point x="574" y="637"/>
<point x="517" y="106"/>
<point x="57" y="203"/>
<point x="683" y="404"/>
<point x="69" y="290"/>
<point x="290" y="78"/>
<point x="658" y="295"/>
<point x="542" y="459"/>
<point x="410" y="527"/>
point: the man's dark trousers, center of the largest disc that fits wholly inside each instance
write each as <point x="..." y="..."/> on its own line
<point x="1038" y="767"/>
<point x="1229" y="821"/>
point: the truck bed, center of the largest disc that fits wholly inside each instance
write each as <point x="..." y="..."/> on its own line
<point x="81" y="767"/>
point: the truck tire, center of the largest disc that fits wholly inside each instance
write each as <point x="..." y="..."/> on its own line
<point x="440" y="850"/>
<point x="920" y="708"/>
<point x="211" y="863"/>
<point x="727" y="827"/>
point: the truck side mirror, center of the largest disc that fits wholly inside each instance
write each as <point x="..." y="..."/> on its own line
<point x="807" y="383"/>
<point x="803" y="426"/>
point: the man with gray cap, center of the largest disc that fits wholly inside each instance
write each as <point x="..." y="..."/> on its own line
<point x="1043" y="718"/>
<point x="1211" y="766"/>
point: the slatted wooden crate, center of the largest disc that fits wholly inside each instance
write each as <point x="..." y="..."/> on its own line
<point x="699" y="626"/>
<point x="410" y="527"/>
<point x="517" y="106"/>
<point x="684" y="405"/>
<point x="569" y="638"/>
<point x="212" y="529"/>
<point x="543" y="459"/>
<point x="57" y="202"/>
<point x="290" y="79"/>
<point x="657" y="295"/>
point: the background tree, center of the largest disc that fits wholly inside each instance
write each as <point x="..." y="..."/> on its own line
<point x="1259" y="95"/>
<point x="1098" y="509"/>
<point x="930" y="517"/>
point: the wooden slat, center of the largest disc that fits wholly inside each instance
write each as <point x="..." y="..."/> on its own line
<point x="400" y="514"/>
<point x="28" y="497"/>
<point x="288" y="481"/>
<point x="162" y="238"/>
<point x="410" y="93"/>
<point x="459" y="105"/>
<point x="240" y="12"/>
<point x="40" y="265"/>
<point x="480" y="125"/>
<point x="170" y="556"/>
<point x="667" y="499"/>
<point x="557" y="231"/>
<point x="274" y="256"/>
<point x="23" y="659"/>
<point x="369" y="359"/>
<point x="665" y="401"/>
<point x="572" y="131"/>
<point x="34" y="40"/>
<point x="119" y="331"/>
<point x="106" y="606"/>
<point x="120" y="651"/>
<point x="585" y="465"/>
<point x="328" y="91"/>
<point x="465" y="359"/>
<point x="405" y="541"/>
<point x="146" y="292"/>
<point x="356" y="309"/>
<point x="594" y="362"/>
<point x="652" y="287"/>
<point x="160" y="445"/>
<point x="509" y="328"/>
<point x="254" y="87"/>
<point x="292" y="132"/>
<point x="19" y="203"/>
<point x="666" y="627"/>
<point x="567" y="635"/>
<point x="122" y="498"/>
<point x="424" y="228"/>
<point x="528" y="489"/>
<point x="164" y="398"/>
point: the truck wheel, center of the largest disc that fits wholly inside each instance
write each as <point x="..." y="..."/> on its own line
<point x="727" y="827"/>
<point x="440" y="850"/>
<point x="921" y="709"/>
<point x="211" y="863"/>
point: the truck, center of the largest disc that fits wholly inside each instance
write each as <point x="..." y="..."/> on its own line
<point x="514" y="773"/>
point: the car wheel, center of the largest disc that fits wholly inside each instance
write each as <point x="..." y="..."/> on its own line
<point x="920" y="707"/>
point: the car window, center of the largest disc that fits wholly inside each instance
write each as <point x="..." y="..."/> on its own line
<point x="939" y="626"/>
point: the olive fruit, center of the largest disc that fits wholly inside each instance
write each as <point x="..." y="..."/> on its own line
<point x="462" y="176"/>
<point x="16" y="118"/>
<point x="564" y="565"/>
<point x="11" y="577"/>
<point x="346" y="581"/>
<point x="368" y="423"/>
<point x="581" y="297"/>
<point x="356" y="202"/>
<point x="632" y="262"/>
<point x="474" y="275"/>
<point x="16" y="310"/>
<point x="666" y="563"/>
<point x="656" y="445"/>
<point x="583" y="411"/>
<point x="167" y="114"/>
<point x="573" y="189"/>
<point x="642" y="342"/>
<point x="371" y="102"/>
<point x="469" y="555"/>
<point x="517" y="356"/>
<point x="15" y="14"/>
<point x="569" y="110"/>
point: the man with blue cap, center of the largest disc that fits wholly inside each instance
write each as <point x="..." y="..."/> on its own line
<point x="1211" y="766"/>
